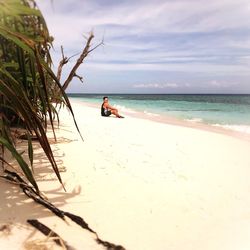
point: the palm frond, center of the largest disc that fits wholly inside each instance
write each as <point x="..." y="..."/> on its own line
<point x="28" y="86"/>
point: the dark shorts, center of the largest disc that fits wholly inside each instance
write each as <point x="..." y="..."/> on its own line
<point x="107" y="113"/>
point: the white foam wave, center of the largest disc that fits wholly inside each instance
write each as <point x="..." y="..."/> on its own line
<point x="124" y="109"/>
<point x="149" y="113"/>
<point x="238" y="128"/>
<point x="194" y="120"/>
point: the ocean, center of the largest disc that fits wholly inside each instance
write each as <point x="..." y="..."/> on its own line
<point x="228" y="111"/>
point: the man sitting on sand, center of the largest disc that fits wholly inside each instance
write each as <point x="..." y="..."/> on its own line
<point x="107" y="110"/>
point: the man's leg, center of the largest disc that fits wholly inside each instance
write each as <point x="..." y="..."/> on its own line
<point x="115" y="112"/>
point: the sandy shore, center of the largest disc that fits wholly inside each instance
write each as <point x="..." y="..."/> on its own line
<point x="142" y="184"/>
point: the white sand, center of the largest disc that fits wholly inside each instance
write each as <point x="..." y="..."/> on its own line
<point x="138" y="183"/>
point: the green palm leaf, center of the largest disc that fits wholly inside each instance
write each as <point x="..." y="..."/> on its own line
<point x="20" y="160"/>
<point x="28" y="86"/>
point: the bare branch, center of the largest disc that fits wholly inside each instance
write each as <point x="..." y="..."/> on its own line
<point x="79" y="77"/>
<point x="79" y="61"/>
<point x="87" y="49"/>
<point x="61" y="64"/>
<point x="74" y="55"/>
<point x="62" y="51"/>
<point x="101" y="43"/>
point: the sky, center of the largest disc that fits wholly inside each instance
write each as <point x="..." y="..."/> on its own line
<point x="154" y="46"/>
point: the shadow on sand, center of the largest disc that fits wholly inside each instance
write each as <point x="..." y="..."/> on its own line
<point x="15" y="205"/>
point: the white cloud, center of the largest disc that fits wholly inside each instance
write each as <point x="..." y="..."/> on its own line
<point x="147" y="16"/>
<point x="156" y="85"/>
<point x="222" y="84"/>
<point x="183" y="36"/>
<point x="193" y="68"/>
<point x="170" y="85"/>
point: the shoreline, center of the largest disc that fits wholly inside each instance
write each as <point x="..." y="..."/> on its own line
<point x="137" y="183"/>
<point x="170" y="120"/>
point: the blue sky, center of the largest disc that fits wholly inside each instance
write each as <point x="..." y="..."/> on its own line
<point x="157" y="46"/>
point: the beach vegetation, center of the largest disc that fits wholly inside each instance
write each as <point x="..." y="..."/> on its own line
<point x="30" y="95"/>
<point x="29" y="90"/>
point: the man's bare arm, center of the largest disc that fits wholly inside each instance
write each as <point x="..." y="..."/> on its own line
<point x="110" y="107"/>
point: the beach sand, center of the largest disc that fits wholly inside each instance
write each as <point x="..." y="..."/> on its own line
<point x="139" y="183"/>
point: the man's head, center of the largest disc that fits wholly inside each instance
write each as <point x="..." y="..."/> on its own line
<point x="105" y="98"/>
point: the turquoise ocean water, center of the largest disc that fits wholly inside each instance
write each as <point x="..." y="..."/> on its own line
<point x="229" y="111"/>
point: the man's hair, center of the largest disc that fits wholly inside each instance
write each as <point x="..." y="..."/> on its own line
<point x="104" y="98"/>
